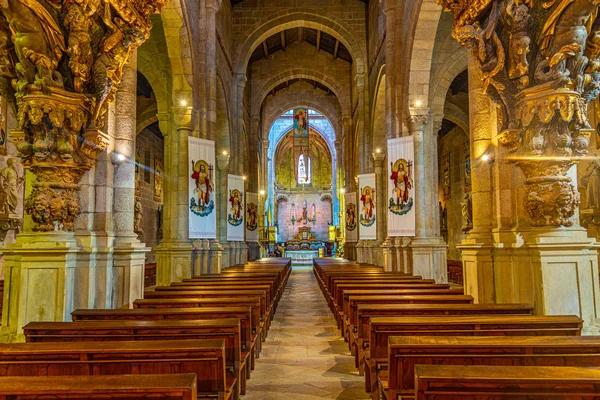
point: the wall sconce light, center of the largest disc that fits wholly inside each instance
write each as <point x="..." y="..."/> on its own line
<point x="183" y="103"/>
<point x="225" y="152"/>
<point x="262" y="192"/>
<point x="342" y="190"/>
<point x="486" y="158"/>
<point x="244" y="177"/>
<point x="117" y="158"/>
<point x="418" y="103"/>
<point x="378" y="150"/>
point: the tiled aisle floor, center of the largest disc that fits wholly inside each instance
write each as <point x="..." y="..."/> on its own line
<point x="304" y="357"/>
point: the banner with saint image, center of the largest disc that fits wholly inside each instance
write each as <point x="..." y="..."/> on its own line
<point x="366" y="207"/>
<point x="235" y="208"/>
<point x="301" y="138"/>
<point x="252" y="216"/>
<point x="351" y="217"/>
<point x="202" y="194"/>
<point x="401" y="187"/>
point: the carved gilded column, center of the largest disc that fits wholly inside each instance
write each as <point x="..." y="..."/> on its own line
<point x="540" y="63"/>
<point x="61" y="64"/>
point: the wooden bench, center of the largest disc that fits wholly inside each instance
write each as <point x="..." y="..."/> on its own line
<point x="125" y="387"/>
<point x="364" y="312"/>
<point x="455" y="272"/>
<point x="344" y="314"/>
<point x="205" y="358"/>
<point x="244" y="314"/>
<point x="375" y="351"/>
<point x="406" y="352"/>
<point x="492" y="383"/>
<point x="226" y="329"/>
<point x="225" y="294"/>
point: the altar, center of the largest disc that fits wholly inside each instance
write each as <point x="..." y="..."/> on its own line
<point x="303" y="247"/>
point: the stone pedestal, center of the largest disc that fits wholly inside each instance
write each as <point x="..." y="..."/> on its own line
<point x="129" y="260"/>
<point x="39" y="279"/>
<point x="173" y="262"/>
<point x="429" y="259"/>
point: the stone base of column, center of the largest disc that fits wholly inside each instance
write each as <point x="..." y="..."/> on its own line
<point x="350" y="251"/>
<point x="360" y="251"/>
<point x="253" y="251"/>
<point x="173" y="262"/>
<point x="129" y="261"/>
<point x="376" y="253"/>
<point x="95" y="267"/>
<point x="243" y="252"/>
<point x="215" y="253"/>
<point x="388" y="255"/>
<point x="403" y="256"/>
<point x="429" y="258"/>
<point x="226" y="260"/>
<point x="39" y="285"/>
<point x="555" y="270"/>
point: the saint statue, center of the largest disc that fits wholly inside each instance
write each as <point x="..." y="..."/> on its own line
<point x="592" y="177"/>
<point x="9" y="179"/>
<point x="467" y="213"/>
<point x="137" y="216"/>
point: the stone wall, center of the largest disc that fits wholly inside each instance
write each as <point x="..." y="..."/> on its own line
<point x="148" y="147"/>
<point x="454" y="145"/>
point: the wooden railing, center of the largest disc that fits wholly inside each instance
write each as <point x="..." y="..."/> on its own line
<point x="150" y="275"/>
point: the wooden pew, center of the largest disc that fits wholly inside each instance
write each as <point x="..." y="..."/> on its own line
<point x="244" y="314"/>
<point x="226" y="329"/>
<point x="252" y="302"/>
<point x="375" y="352"/>
<point x="490" y="383"/>
<point x="344" y="314"/>
<point x="125" y="387"/>
<point x="225" y="294"/>
<point x="364" y="312"/>
<point x="205" y="358"/>
<point x="190" y="290"/>
<point x="406" y="352"/>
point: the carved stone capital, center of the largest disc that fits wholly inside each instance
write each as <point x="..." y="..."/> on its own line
<point x="223" y="162"/>
<point x="378" y="159"/>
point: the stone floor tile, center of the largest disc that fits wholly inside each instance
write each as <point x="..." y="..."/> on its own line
<point x="304" y="357"/>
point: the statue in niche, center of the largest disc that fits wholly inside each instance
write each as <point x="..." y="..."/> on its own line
<point x="467" y="213"/>
<point x="10" y="182"/>
<point x="137" y="216"/>
<point x="591" y="181"/>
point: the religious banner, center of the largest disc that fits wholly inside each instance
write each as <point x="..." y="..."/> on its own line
<point x="202" y="214"/>
<point x="401" y="184"/>
<point x="351" y="217"/>
<point x="235" y="215"/>
<point x="301" y="139"/>
<point x="366" y="219"/>
<point x="252" y="217"/>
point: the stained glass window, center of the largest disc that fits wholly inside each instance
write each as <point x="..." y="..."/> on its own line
<point x="303" y="170"/>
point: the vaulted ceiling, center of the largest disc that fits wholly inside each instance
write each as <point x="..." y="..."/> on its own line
<point x="321" y="40"/>
<point x="287" y="84"/>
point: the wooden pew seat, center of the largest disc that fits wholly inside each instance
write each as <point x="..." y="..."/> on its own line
<point x="406" y="352"/>
<point x="123" y="387"/>
<point x="436" y="382"/>
<point x="205" y="358"/>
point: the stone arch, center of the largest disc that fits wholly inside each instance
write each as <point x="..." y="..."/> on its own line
<point x="453" y="66"/>
<point x="304" y="73"/>
<point x="378" y="113"/>
<point x="283" y="20"/>
<point x="177" y="34"/>
<point x="455" y="114"/>
<point x="422" y="52"/>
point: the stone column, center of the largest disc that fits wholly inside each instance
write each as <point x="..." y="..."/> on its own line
<point x="129" y="253"/>
<point x="379" y="162"/>
<point x="428" y="251"/>
<point x="174" y="253"/>
<point x="223" y="171"/>
<point x="477" y="249"/>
